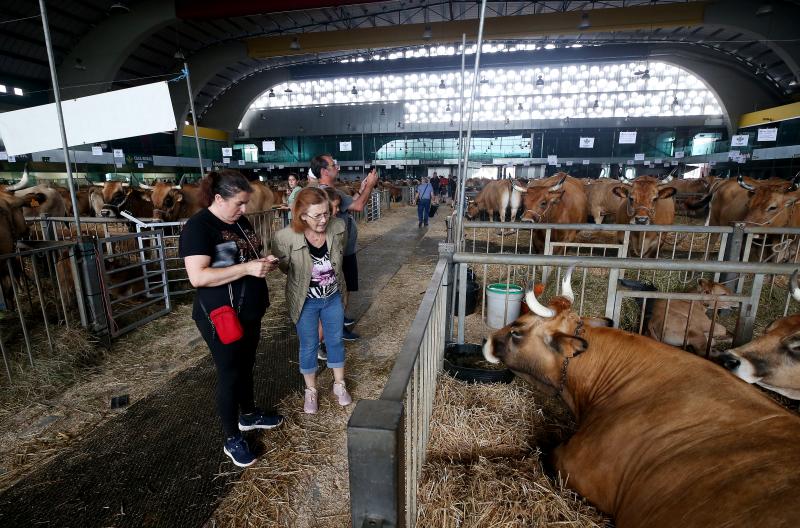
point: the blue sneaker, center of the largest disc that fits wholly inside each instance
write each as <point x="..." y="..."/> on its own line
<point x="259" y="420"/>
<point x="349" y="322"/>
<point x="239" y="452"/>
<point x="347" y="335"/>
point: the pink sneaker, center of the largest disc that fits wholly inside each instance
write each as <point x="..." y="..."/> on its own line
<point x="310" y="404"/>
<point x="341" y="394"/>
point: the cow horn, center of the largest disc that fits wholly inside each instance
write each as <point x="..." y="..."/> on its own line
<point x="143" y="185"/>
<point x="795" y="183"/>
<point x="744" y="185"/>
<point x="794" y="286"/>
<point x="670" y="176"/>
<point x="520" y="189"/>
<point x="566" y="285"/>
<point x="98" y="184"/>
<point x="179" y="187"/>
<point x="537" y="307"/>
<point x="557" y="186"/>
<point x="22" y="183"/>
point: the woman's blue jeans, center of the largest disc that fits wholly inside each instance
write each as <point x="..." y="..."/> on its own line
<point x="331" y="312"/>
<point x="423" y="208"/>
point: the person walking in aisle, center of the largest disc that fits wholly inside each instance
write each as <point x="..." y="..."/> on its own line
<point x="423" y="199"/>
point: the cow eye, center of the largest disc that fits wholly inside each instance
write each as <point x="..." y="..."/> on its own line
<point x="515" y="334"/>
<point x="771" y="208"/>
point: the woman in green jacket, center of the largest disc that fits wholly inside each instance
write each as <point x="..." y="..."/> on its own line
<point x="310" y="253"/>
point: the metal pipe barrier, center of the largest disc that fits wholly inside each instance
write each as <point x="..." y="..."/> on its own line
<point x="40" y="292"/>
<point x="387" y="438"/>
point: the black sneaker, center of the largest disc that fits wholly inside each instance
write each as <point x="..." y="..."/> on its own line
<point x="239" y="452"/>
<point x="259" y="420"/>
<point x="348" y="323"/>
<point x="347" y="335"/>
<point x="322" y="352"/>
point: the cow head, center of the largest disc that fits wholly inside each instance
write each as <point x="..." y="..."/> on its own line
<point x="167" y="201"/>
<point x="771" y="204"/>
<point x="641" y="196"/>
<point x="96" y="201"/>
<point x="114" y="195"/>
<point x="536" y="345"/>
<point x="472" y="211"/>
<point x="540" y="199"/>
<point x="709" y="287"/>
<point x="773" y="360"/>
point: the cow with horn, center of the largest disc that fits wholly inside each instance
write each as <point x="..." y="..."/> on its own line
<point x="53" y="205"/>
<point x="774" y="204"/>
<point x="664" y="438"/>
<point x="559" y="199"/>
<point x="646" y="200"/>
<point x="117" y="196"/>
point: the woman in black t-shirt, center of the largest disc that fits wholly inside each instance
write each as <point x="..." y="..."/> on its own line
<point x="223" y="259"/>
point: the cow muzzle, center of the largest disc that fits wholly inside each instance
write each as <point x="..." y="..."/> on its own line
<point x="105" y="213"/>
<point x="728" y="361"/>
<point x="641" y="220"/>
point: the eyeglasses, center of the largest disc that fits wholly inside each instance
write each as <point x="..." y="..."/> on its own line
<point x="335" y="164"/>
<point x="317" y="217"/>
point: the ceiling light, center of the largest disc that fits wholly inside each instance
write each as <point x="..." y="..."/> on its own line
<point x="354" y="91"/>
<point x="507" y="121"/>
<point x="675" y="101"/>
<point x="287" y="90"/>
<point x="585" y="24"/>
<point x="596" y="104"/>
<point x="451" y="122"/>
<point x="179" y="55"/>
<point x="186" y="122"/>
<point x="295" y="45"/>
<point x="764" y="9"/>
<point x="119" y="7"/>
<point x="539" y="81"/>
<point x="646" y="75"/>
<point x="18" y="91"/>
<point x="427" y="34"/>
<point x="441" y="85"/>
<point x="484" y="80"/>
<point x="271" y="93"/>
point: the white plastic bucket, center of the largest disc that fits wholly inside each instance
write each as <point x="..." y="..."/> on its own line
<point x="502" y="299"/>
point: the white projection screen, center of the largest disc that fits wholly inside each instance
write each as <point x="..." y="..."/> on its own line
<point x="119" y="114"/>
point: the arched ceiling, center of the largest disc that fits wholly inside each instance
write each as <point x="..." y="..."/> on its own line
<point x="103" y="44"/>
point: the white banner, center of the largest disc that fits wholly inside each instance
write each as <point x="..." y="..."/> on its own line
<point x="586" y="142"/>
<point x="345" y="146"/>
<point x="657" y="161"/>
<point x="97" y="151"/>
<point x="112" y="115"/>
<point x="628" y="138"/>
<point x="585" y="162"/>
<point x="639" y="156"/>
<point x="569" y="163"/>
<point x="767" y="134"/>
<point x="226" y="160"/>
<point x="679" y="153"/>
<point x="11" y="159"/>
<point x="740" y="140"/>
<point x="3" y="155"/>
<point x="268" y="146"/>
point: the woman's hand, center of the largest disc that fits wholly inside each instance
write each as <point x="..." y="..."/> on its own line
<point x="259" y="268"/>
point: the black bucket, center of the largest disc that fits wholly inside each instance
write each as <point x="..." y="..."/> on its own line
<point x="473" y="289"/>
<point x="466" y="363"/>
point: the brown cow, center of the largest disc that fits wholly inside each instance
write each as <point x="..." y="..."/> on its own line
<point x="174" y="202"/>
<point x="120" y="196"/>
<point x="664" y="438"/>
<point x="90" y="200"/>
<point x="261" y="199"/>
<point x="53" y="206"/>
<point x="602" y="201"/>
<point x="496" y="196"/>
<point x="13" y="228"/>
<point x="773" y="360"/>
<point x="773" y="204"/>
<point x="647" y="200"/>
<point x="727" y="199"/>
<point x="559" y="199"/>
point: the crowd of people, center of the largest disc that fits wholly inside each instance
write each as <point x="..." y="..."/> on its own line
<point x="225" y="262"/>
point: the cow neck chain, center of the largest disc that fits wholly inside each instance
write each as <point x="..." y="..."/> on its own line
<point x="540" y="218"/>
<point x="578" y="333"/>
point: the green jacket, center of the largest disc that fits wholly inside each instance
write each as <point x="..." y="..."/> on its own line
<point x="291" y="248"/>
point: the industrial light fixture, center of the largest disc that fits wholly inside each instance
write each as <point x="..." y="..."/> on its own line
<point x="539" y="81"/>
<point x="295" y="45"/>
<point x="79" y="65"/>
<point x="383" y="112"/>
<point x="519" y="107"/>
<point x="448" y="108"/>
<point x="18" y="91"/>
<point x="428" y="33"/>
<point x="451" y="122"/>
<point x="442" y="85"/>
<point x="287" y="90"/>
<point x="675" y="101"/>
<point x="764" y="9"/>
<point x="271" y="93"/>
<point x="596" y="104"/>
<point x="508" y="121"/>
<point x="179" y="55"/>
<point x="119" y="7"/>
<point x="762" y="68"/>
<point x="646" y="75"/>
<point x="484" y="80"/>
<point x="354" y="91"/>
<point x="585" y="24"/>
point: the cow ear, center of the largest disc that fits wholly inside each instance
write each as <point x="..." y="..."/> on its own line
<point x="567" y="344"/>
<point x="666" y="192"/>
<point x="792" y="344"/>
<point x="704" y="283"/>
<point x="620" y="191"/>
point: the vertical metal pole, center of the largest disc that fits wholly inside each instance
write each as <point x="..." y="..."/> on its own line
<point x="460" y="170"/>
<point x="194" y="116"/>
<point x="57" y="97"/>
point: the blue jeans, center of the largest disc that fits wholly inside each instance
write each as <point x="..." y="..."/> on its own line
<point x="423" y="208"/>
<point x="331" y="312"/>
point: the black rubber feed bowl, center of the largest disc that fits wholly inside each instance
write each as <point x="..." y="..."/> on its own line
<point x="466" y="363"/>
<point x="473" y="288"/>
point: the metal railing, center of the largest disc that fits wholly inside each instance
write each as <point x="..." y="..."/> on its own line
<point x="387" y="438"/>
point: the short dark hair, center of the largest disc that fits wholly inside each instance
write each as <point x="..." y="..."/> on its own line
<point x="318" y="163"/>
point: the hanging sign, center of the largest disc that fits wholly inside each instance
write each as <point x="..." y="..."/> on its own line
<point x="639" y="156"/>
<point x="740" y="140"/>
<point x="118" y="165"/>
<point x="657" y="161"/>
<point x="552" y="159"/>
<point x="227" y="152"/>
<point x="241" y="163"/>
<point x="767" y="134"/>
<point x="97" y="151"/>
<point x="674" y="163"/>
<point x="345" y="146"/>
<point x="118" y="153"/>
<point x="585" y="162"/>
<point x="3" y="155"/>
<point x="280" y="166"/>
<point x="569" y="163"/>
<point x="679" y="153"/>
<point x="226" y="160"/>
<point x="627" y="138"/>
<point x="586" y="142"/>
<point x="268" y="146"/>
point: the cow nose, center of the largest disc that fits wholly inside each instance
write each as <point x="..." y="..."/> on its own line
<point x="729" y="361"/>
<point x="642" y="220"/>
<point x="105" y="212"/>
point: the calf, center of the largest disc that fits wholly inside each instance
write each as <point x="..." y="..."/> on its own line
<point x="664" y="438"/>
<point x="602" y="201"/>
<point x="496" y="196"/>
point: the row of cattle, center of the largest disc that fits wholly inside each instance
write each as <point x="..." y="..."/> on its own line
<point x="665" y="438"/>
<point x="562" y="199"/>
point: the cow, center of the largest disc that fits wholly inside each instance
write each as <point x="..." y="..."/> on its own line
<point x="602" y="201"/>
<point x="663" y="438"/>
<point x="646" y="200"/>
<point x="90" y="200"/>
<point x="261" y="199"/>
<point x="53" y="205"/>
<point x="682" y="323"/>
<point x="12" y="229"/>
<point x="120" y="196"/>
<point x="174" y="202"/>
<point x="773" y="204"/>
<point x="559" y="199"/>
<point x="773" y="360"/>
<point x="496" y="196"/>
<point x="727" y="200"/>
